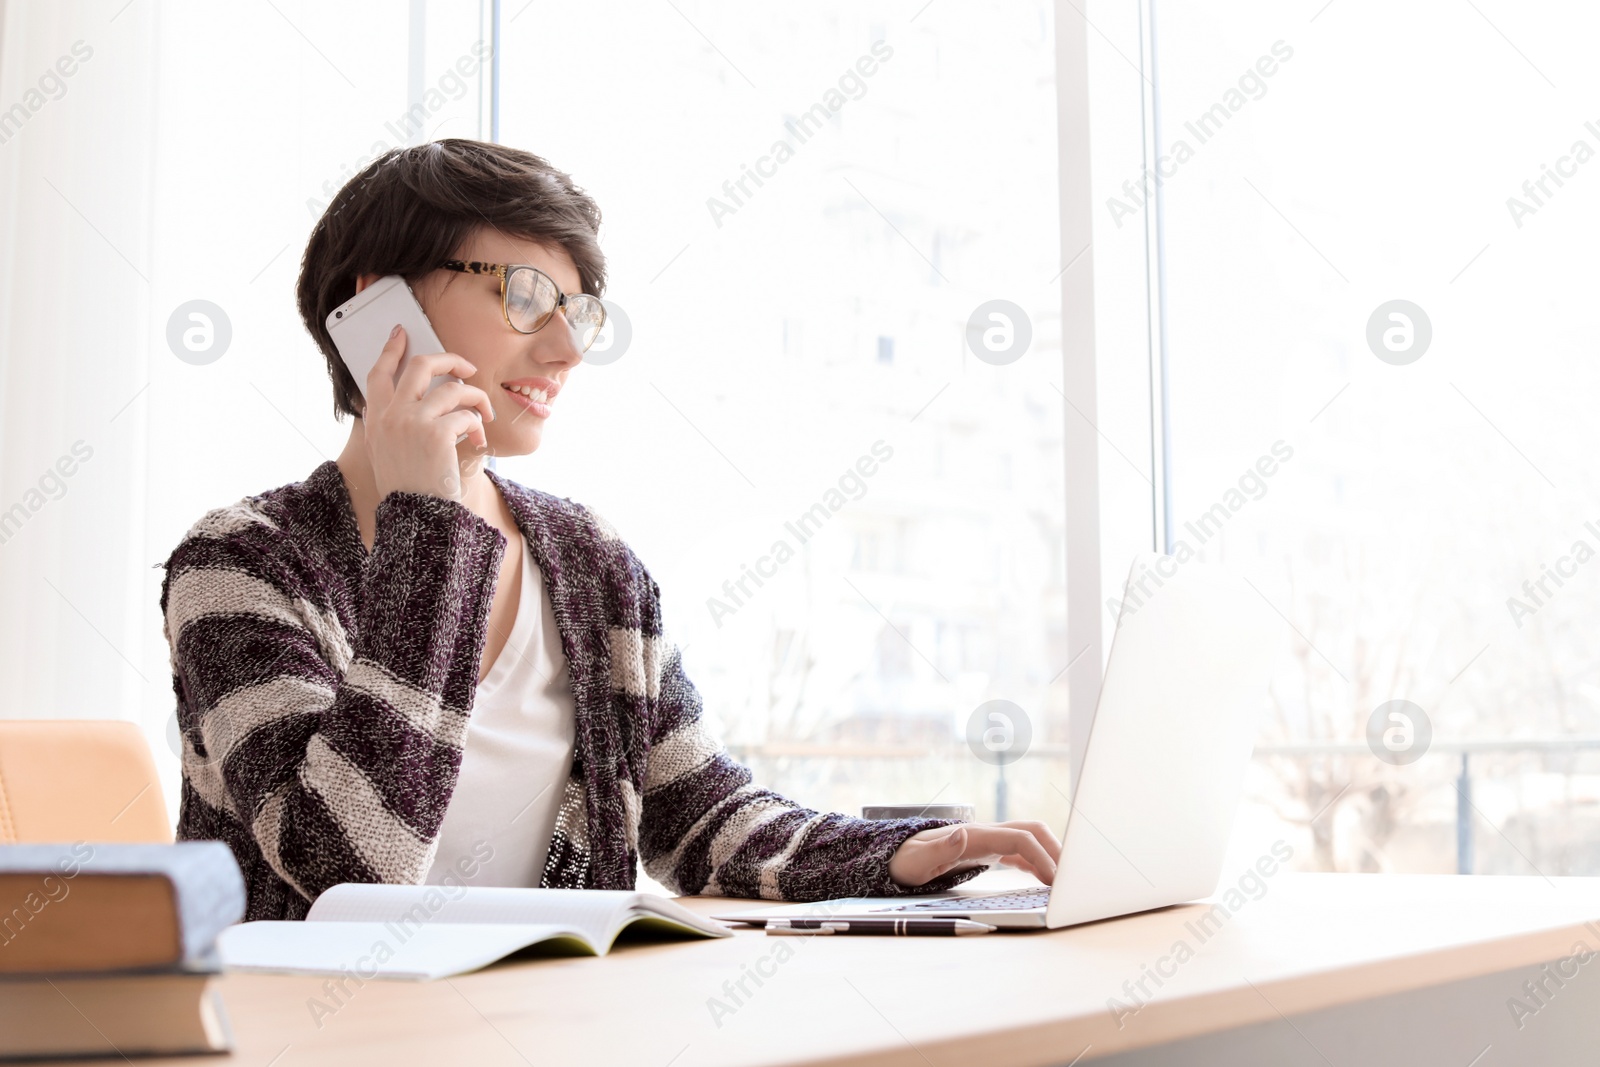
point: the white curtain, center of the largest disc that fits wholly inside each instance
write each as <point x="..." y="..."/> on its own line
<point x="153" y="154"/>
<point x="76" y="138"/>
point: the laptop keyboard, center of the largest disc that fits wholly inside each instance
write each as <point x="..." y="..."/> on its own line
<point x="1022" y="901"/>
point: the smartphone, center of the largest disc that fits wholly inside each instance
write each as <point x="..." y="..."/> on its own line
<point x="360" y="328"/>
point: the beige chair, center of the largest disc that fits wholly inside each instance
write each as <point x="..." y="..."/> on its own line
<point x="78" y="780"/>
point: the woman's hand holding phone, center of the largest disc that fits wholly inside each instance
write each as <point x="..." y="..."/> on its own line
<point x="411" y="431"/>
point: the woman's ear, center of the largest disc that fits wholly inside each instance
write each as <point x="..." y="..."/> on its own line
<point x="364" y="280"/>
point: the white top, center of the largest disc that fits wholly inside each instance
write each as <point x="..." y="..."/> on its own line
<point x="518" y="754"/>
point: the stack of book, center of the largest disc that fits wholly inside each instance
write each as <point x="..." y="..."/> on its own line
<point x="110" y="949"/>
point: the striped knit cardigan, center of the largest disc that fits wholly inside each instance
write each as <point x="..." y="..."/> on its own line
<point x="324" y="693"/>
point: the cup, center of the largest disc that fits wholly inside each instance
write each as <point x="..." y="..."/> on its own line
<point x="956" y="812"/>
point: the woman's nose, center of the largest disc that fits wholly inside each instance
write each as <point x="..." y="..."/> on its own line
<point x="557" y="344"/>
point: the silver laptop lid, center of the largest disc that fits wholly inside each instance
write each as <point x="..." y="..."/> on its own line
<point x="1184" y="687"/>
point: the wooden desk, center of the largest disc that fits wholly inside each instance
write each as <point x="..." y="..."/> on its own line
<point x="1321" y="969"/>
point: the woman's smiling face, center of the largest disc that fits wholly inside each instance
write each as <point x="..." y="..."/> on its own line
<point x="521" y="372"/>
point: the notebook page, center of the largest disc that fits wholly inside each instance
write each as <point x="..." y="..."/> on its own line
<point x="377" y="950"/>
<point x="597" y="911"/>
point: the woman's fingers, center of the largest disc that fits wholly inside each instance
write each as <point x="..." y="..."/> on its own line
<point x="945" y="854"/>
<point x="953" y="844"/>
<point x="413" y="430"/>
<point x="1041" y="833"/>
<point x="421" y="370"/>
<point x="466" y="421"/>
<point x="1038" y="859"/>
<point x="1003" y="841"/>
<point x="380" y="379"/>
<point x="452" y="395"/>
<point x="1021" y="863"/>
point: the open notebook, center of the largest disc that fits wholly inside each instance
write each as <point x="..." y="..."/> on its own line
<point x="430" y="931"/>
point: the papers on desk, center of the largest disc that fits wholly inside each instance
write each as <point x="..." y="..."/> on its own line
<point x="429" y="931"/>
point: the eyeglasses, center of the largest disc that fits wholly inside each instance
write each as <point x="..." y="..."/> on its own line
<point x="529" y="298"/>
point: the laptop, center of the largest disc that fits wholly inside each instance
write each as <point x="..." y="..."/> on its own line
<point x="1162" y="772"/>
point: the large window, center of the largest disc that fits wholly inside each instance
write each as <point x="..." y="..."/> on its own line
<point x="926" y="319"/>
<point x="1373" y="223"/>
<point x="855" y="515"/>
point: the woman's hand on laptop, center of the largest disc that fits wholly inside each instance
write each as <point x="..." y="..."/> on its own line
<point x="1028" y="845"/>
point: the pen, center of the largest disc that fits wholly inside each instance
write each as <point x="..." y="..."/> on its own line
<point x="882" y="927"/>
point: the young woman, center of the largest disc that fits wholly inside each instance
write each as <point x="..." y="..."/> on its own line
<point x="409" y="669"/>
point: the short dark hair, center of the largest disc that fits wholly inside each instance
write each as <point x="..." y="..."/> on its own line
<point x="412" y="208"/>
